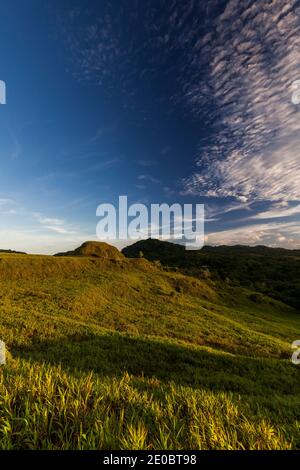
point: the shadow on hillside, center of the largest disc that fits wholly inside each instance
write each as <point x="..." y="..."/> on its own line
<point x="112" y="354"/>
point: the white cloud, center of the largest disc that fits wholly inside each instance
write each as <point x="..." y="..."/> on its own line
<point x="252" y="60"/>
<point x="58" y="229"/>
<point x="147" y="163"/>
<point x="275" y="234"/>
<point x="278" y="211"/>
<point x="6" y="201"/>
<point x="53" y="224"/>
<point x="40" y="242"/>
<point x="237" y="78"/>
<point x="148" y="178"/>
<point x="50" y="221"/>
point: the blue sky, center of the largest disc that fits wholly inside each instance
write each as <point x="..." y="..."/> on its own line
<point x="163" y="101"/>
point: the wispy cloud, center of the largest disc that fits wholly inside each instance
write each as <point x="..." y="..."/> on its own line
<point x="50" y="221"/>
<point x="53" y="224"/>
<point x="148" y="178"/>
<point x="274" y="234"/>
<point x="58" y="229"/>
<point x="42" y="242"/>
<point x="6" y="201"/>
<point x="17" y="148"/>
<point x="140" y="186"/>
<point x="104" y="164"/>
<point x="234" y="64"/>
<point x="103" y="131"/>
<point x="7" y="206"/>
<point x="147" y="163"/>
<point x="251" y="57"/>
<point x="278" y="211"/>
<point x="165" y="150"/>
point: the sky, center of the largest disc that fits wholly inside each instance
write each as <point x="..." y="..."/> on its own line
<point x="174" y="101"/>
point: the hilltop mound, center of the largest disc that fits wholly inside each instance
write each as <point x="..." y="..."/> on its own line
<point x="96" y="250"/>
<point x="153" y="249"/>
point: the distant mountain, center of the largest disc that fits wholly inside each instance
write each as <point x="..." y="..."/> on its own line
<point x="272" y="271"/>
<point x="154" y="249"/>
<point x="250" y="250"/>
<point x="13" y="252"/>
<point x="95" y="249"/>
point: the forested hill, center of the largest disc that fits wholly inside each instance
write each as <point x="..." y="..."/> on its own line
<point x="272" y="271"/>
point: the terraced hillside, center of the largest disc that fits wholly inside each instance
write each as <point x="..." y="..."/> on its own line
<point x="114" y="353"/>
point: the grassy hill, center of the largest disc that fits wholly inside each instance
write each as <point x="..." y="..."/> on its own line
<point x="271" y="271"/>
<point x="118" y="353"/>
<point x="96" y="250"/>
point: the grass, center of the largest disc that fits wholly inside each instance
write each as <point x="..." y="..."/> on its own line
<point x="63" y="411"/>
<point x="119" y="354"/>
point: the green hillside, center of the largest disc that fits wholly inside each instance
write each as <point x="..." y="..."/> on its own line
<point x="107" y="352"/>
<point x="96" y="250"/>
<point x="271" y="271"/>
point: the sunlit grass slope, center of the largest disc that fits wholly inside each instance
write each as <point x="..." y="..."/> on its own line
<point x="117" y="353"/>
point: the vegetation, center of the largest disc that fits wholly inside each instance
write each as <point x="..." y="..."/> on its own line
<point x="271" y="271"/>
<point x="13" y="251"/>
<point x="95" y="249"/>
<point x="115" y="353"/>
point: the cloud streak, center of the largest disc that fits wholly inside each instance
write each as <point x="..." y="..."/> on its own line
<point x="231" y="68"/>
<point x="274" y="235"/>
<point x="252" y="57"/>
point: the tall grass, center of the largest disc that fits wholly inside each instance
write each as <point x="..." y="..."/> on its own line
<point x="45" y="407"/>
<point x="123" y="355"/>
